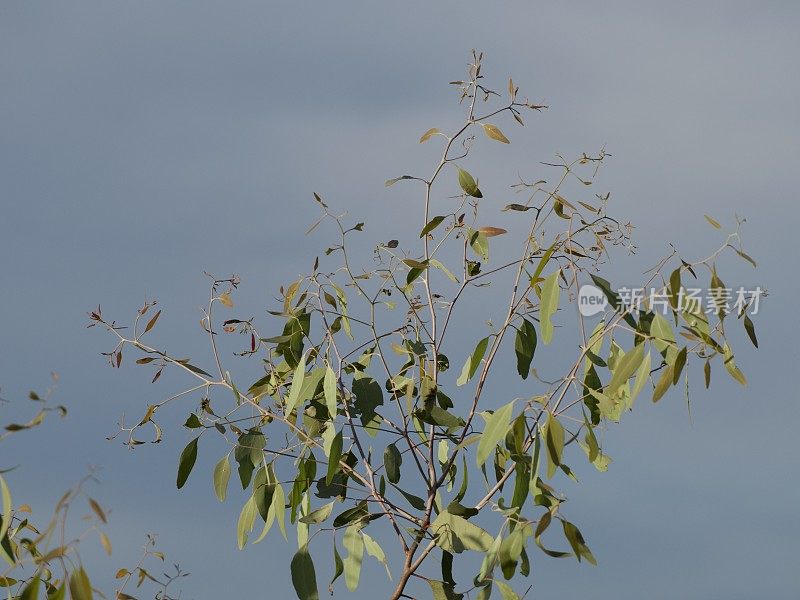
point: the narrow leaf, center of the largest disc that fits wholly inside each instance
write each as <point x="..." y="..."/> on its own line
<point x="222" y="474"/>
<point x="186" y="462"/>
<point x="496" y="428"/>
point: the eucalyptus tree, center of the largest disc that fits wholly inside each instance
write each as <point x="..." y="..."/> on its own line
<point x="359" y="433"/>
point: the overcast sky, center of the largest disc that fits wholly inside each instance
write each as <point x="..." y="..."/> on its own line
<point x="143" y="142"/>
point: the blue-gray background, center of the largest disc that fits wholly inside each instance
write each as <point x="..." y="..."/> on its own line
<point x="143" y="142"/>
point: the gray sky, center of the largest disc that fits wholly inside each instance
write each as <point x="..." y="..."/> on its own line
<point x="144" y="142"/>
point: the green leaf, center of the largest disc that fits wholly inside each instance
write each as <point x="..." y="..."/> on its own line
<point x="192" y="422"/>
<point x="222" y="474"/>
<point x="642" y="375"/>
<point x="505" y="590"/>
<point x="415" y="501"/>
<point x="392" y="459"/>
<point x="297" y="385"/>
<point x="549" y="305"/>
<point x="431" y="225"/>
<point x="455" y="534"/>
<point x="524" y="347"/>
<point x="357" y="513"/>
<point x="428" y="134"/>
<point x="554" y="443"/>
<point x="443" y="591"/>
<point x="247" y="519"/>
<point x="279" y="507"/>
<point x="186" y="462"/>
<point x="338" y="566"/>
<point x="473" y="361"/>
<point x="751" y="330"/>
<point x="391" y="182"/>
<point x="304" y="577"/>
<point x="438" y="264"/>
<point x="5" y="494"/>
<point x="319" y="515"/>
<point x="663" y="383"/>
<point x="731" y="367"/>
<point x="374" y="550"/>
<point x="468" y="184"/>
<point x="31" y="591"/>
<point x="625" y="368"/>
<point x="485" y="592"/>
<point x="354" y="544"/>
<point x="335" y="456"/>
<point x="496" y="428"/>
<point x="661" y="330"/>
<point x="511" y="549"/>
<point x="479" y="242"/>
<point x="61" y="593"/>
<point x="80" y="588"/>
<point x="714" y="223"/>
<point x="675" y="288"/>
<point x="329" y="387"/>
<point x="577" y="543"/>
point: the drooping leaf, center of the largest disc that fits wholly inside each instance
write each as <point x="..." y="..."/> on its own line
<point x="80" y="588"/>
<point x="31" y="591"/>
<point x="279" y="508"/>
<point x="334" y="457"/>
<point x="730" y="365"/>
<point x="625" y="369"/>
<point x="61" y="593"/>
<point x="506" y="591"/>
<point x="524" y="347"/>
<point x="297" y="385"/>
<point x="549" y="304"/>
<point x="338" y="566"/>
<point x="661" y="330"/>
<point x="496" y="428"/>
<point x="247" y="519"/>
<point x="642" y="376"/>
<point x="554" y="443"/>
<point x="374" y="550"/>
<point x="751" y="330"/>
<point x="354" y="544"/>
<point x="663" y="383"/>
<point x="304" y="577"/>
<point x="577" y="542"/>
<point x="392" y="459"/>
<point x="329" y="386"/>
<point x="222" y="474"/>
<point x="5" y="517"/>
<point x="186" y="462"/>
